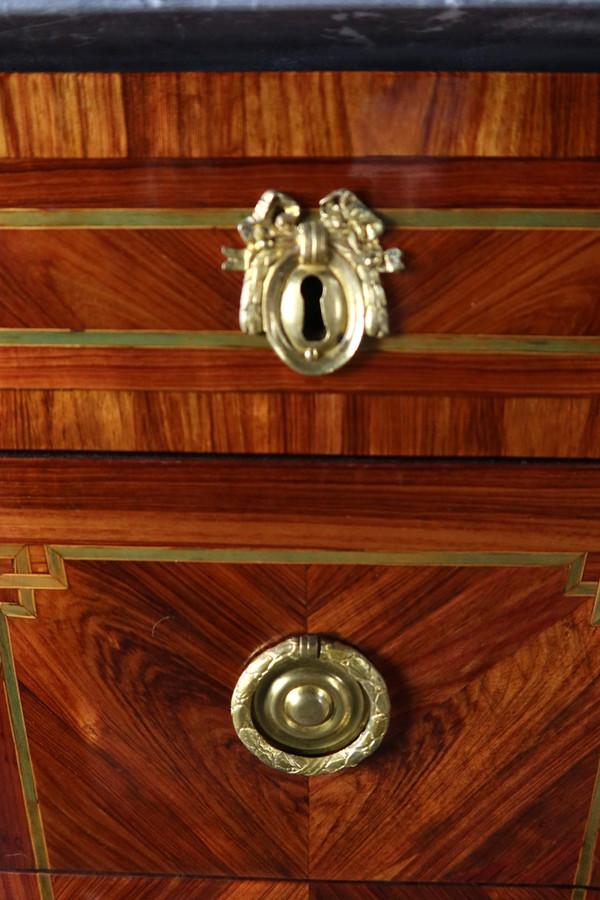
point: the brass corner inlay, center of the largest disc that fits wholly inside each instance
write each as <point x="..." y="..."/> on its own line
<point x="576" y="586"/>
<point x="25" y="581"/>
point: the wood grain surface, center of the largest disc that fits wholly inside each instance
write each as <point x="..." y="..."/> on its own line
<point x="137" y="763"/>
<point x="485" y="776"/>
<point x="15" y="843"/>
<point x="366" y="505"/>
<point x="298" y="114"/>
<point x="101" y="887"/>
<point x="353" y="891"/>
<point x="455" y="281"/>
<point x="292" y="423"/>
<point x="212" y="140"/>
<point x="488" y="768"/>
<point x="381" y="182"/>
<point x="19" y="887"/>
<point x="81" y="887"/>
<point x="442" y="371"/>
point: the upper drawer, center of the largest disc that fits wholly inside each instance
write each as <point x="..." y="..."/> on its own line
<point x="120" y="331"/>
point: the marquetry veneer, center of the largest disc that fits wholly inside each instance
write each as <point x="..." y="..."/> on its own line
<point x="120" y="659"/>
<point x="134" y="587"/>
<point x="118" y="330"/>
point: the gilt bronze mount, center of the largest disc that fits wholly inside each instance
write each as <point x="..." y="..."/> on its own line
<point x="310" y="706"/>
<point x="312" y="285"/>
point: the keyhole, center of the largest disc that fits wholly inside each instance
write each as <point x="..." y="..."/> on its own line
<point x="313" y="326"/>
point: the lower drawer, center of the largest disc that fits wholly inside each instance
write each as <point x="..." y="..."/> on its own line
<point x="134" y="593"/>
<point x="93" y="887"/>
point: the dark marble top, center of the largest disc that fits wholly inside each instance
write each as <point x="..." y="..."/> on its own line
<point x="154" y="35"/>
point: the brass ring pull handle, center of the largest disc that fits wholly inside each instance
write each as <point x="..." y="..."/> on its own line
<point x="310" y="706"/>
<point x="313" y="286"/>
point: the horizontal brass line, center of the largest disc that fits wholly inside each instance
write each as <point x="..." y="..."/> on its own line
<point x="584" y="589"/>
<point x="10" y="550"/>
<point x="218" y="340"/>
<point x="426" y="558"/>
<point x="487" y="343"/>
<point x="58" y="337"/>
<point x="34" y="580"/>
<point x="12" y="610"/>
<point x="24" y="218"/>
<point x="512" y="219"/>
<point x="35" y="219"/>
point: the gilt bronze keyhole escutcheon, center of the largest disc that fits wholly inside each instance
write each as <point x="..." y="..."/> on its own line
<point x="312" y="286"/>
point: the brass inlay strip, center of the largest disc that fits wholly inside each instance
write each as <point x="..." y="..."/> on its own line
<point x="574" y="585"/>
<point x="19" y="733"/>
<point x="25" y="582"/>
<point x="587" y="856"/>
<point x="24" y="218"/>
<point x="596" y="609"/>
<point x="35" y="219"/>
<point x="512" y="219"/>
<point x="489" y="343"/>
<point x="339" y="557"/>
<point x="219" y="340"/>
<point x="58" y="337"/>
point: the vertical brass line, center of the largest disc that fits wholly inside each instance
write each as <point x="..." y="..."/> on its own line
<point x="19" y="734"/>
<point x="596" y="609"/>
<point x="575" y="573"/>
<point x="588" y="847"/>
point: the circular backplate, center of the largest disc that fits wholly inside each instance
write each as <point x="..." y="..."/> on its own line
<point x="310" y="713"/>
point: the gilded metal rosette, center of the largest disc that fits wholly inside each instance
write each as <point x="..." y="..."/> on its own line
<point x="310" y="706"/>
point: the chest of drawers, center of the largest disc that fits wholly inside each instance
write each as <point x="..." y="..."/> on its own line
<point x="174" y="498"/>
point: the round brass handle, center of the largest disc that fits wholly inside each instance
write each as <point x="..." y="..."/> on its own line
<point x="310" y="706"/>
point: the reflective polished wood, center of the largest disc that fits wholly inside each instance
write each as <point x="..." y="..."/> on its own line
<point x="157" y="570"/>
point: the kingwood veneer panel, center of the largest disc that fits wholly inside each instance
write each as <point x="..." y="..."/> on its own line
<point x="74" y="887"/>
<point x="15" y="842"/>
<point x="362" y="506"/>
<point x="456" y="281"/>
<point x="298" y="114"/>
<point x="488" y="769"/>
<point x="126" y="682"/>
<point x="567" y="372"/>
<point x="284" y="423"/>
<point x="19" y="887"/>
<point x="278" y="423"/>
<point x="394" y="182"/>
<point x="117" y="279"/>
<point x="433" y="892"/>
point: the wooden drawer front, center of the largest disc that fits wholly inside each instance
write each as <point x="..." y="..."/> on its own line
<point x="73" y="887"/>
<point x="486" y="774"/>
<point x="122" y="658"/>
<point x="102" y="887"/>
<point x="119" y="331"/>
<point x="458" y="281"/>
